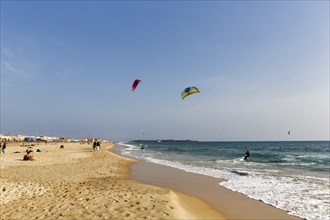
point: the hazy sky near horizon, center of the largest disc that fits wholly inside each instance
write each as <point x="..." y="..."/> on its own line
<point x="262" y="68"/>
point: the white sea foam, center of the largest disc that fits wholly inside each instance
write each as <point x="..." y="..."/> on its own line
<point x="301" y="197"/>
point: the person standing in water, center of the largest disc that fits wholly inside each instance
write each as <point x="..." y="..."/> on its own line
<point x="247" y="155"/>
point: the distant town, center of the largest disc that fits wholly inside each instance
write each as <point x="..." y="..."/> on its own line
<point x="40" y="138"/>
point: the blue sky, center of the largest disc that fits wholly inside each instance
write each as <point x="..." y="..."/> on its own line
<point x="262" y="68"/>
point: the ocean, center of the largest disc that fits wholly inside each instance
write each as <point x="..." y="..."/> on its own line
<point x="293" y="176"/>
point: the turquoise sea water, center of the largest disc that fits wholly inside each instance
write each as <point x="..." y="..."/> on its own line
<point x="293" y="176"/>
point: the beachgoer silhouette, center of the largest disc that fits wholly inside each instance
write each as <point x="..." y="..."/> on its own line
<point x="3" y="148"/>
<point x="247" y="155"/>
<point x="28" y="156"/>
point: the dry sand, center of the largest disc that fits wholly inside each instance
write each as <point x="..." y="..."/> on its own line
<point x="78" y="183"/>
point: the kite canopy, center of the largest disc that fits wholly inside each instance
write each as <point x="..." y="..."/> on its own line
<point x="135" y="83"/>
<point x="188" y="91"/>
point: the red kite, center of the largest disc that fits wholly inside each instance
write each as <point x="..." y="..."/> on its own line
<point x="135" y="83"/>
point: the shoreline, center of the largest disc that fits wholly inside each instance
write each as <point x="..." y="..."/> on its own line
<point x="224" y="200"/>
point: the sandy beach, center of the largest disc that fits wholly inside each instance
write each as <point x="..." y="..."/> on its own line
<point x="78" y="183"/>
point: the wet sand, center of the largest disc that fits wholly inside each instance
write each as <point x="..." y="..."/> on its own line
<point x="231" y="204"/>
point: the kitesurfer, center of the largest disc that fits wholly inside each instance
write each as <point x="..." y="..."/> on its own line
<point x="247" y="155"/>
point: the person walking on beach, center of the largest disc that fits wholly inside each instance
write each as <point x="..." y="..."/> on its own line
<point x="98" y="145"/>
<point x="94" y="145"/>
<point x="3" y="148"/>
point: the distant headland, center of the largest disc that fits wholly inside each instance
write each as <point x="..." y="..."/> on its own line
<point x="165" y="140"/>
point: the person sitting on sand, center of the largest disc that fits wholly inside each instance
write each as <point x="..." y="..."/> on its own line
<point x="28" y="156"/>
<point x="29" y="149"/>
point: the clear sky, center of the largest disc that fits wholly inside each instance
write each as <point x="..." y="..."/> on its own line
<point x="262" y="68"/>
